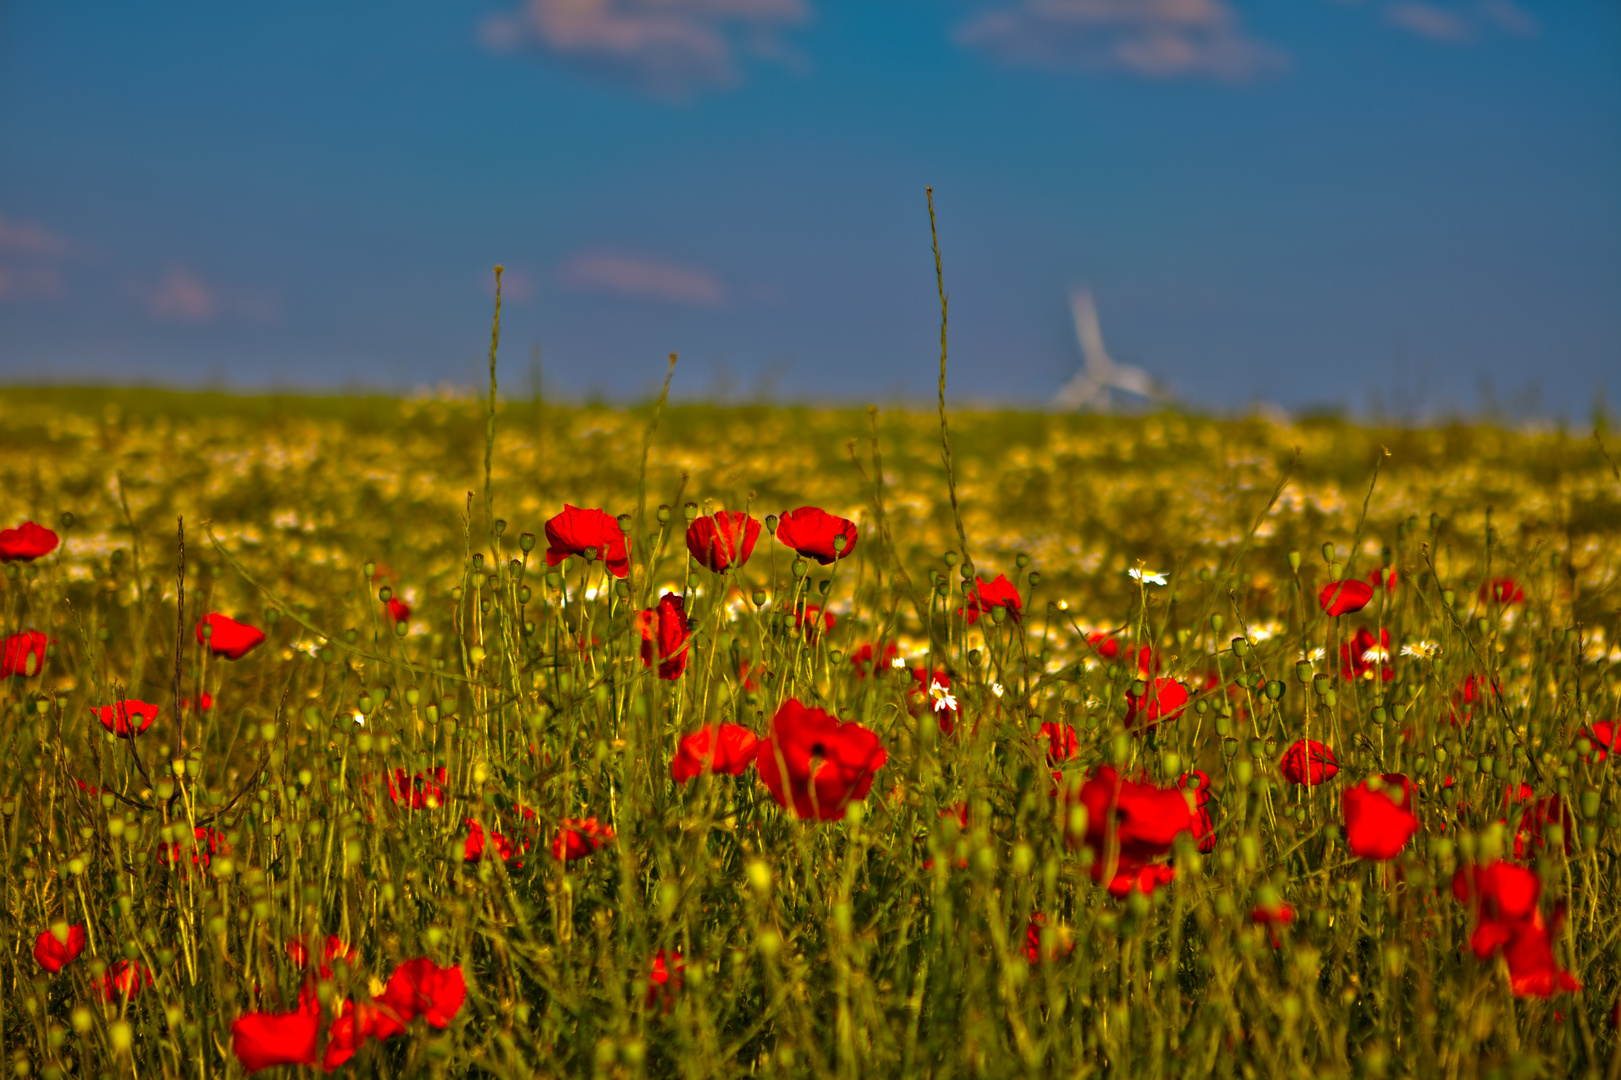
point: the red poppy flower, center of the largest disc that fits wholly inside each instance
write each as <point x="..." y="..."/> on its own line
<point x="579" y="837"/>
<point x="726" y="748"/>
<point x="815" y="764"/>
<point x="1062" y="742"/>
<point x="1204" y="829"/>
<point x="723" y="541"/>
<point x="126" y="718"/>
<point x="1344" y="597"/>
<point x="419" y="791"/>
<point x="812" y="531"/>
<point x="209" y="842"/>
<point x="334" y="948"/>
<point x="1532" y="969"/>
<point x="866" y="661"/>
<point x="1503" y="590"/>
<point x="812" y="619"/>
<point x="1309" y="762"/>
<point x="263" y="1040"/>
<point x="1033" y="951"/>
<point x="122" y="981"/>
<point x="1139" y="822"/>
<point x="1602" y="736"/>
<point x="1473" y="691"/>
<point x="1359" y="656"/>
<point x="666" y="635"/>
<point x="24" y="654"/>
<point x="1169" y="698"/>
<point x="398" y="610"/>
<point x="1503" y="898"/>
<point x="205" y="700"/>
<point x="422" y="988"/>
<point x="55" y="953"/>
<point x="358" y="1022"/>
<point x="664" y="975"/>
<point x="1497" y="892"/>
<point x="1551" y="810"/>
<point x="1106" y="644"/>
<point x="26" y="542"/>
<point x="1272" y="916"/>
<point x="1146" y="661"/>
<point x="989" y="595"/>
<point x="590" y="534"/>
<point x="227" y="637"/>
<point x="1385" y="577"/>
<point x="474" y="846"/>
<point x="1379" y="823"/>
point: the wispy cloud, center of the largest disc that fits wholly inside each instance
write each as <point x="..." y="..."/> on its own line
<point x="31" y="261"/>
<point x="1430" y="21"/>
<point x="1161" y="39"/>
<point x="1510" y="18"/>
<point x="641" y="276"/>
<point x="181" y="296"/>
<point x="668" y="47"/>
<point x="1460" y="24"/>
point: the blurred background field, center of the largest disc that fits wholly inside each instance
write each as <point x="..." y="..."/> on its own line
<point x="904" y="940"/>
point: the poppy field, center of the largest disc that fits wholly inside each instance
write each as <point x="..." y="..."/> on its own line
<point x="437" y="737"/>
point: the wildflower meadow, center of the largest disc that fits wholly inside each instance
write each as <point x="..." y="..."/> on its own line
<point x="500" y="737"/>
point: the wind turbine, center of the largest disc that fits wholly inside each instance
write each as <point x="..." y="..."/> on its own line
<point x="1096" y="384"/>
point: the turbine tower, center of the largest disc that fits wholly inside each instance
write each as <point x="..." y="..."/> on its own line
<point x="1101" y="378"/>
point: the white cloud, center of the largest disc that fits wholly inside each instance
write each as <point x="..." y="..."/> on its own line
<point x="1160" y="39"/>
<point x="181" y="296"/>
<point x="31" y="258"/>
<point x="638" y="275"/>
<point x="1510" y="18"/>
<point x="1458" y="25"/>
<point x="32" y="239"/>
<point x="1430" y="21"/>
<point x="668" y="47"/>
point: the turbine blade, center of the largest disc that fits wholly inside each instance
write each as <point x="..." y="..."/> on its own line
<point x="1087" y="331"/>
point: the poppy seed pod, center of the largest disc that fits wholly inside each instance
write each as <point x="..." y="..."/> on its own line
<point x="771" y="524"/>
<point x="526" y="542"/>
<point x="690" y="512"/>
<point x="663" y="513"/>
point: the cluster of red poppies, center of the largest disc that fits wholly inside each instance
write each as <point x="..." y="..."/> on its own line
<point x="417" y="988"/>
<point x="809" y="761"/>
<point x="61" y="945"/>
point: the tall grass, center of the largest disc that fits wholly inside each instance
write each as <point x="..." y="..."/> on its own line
<point x="897" y="941"/>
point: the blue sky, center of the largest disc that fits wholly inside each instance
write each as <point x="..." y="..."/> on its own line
<point x="1385" y="204"/>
